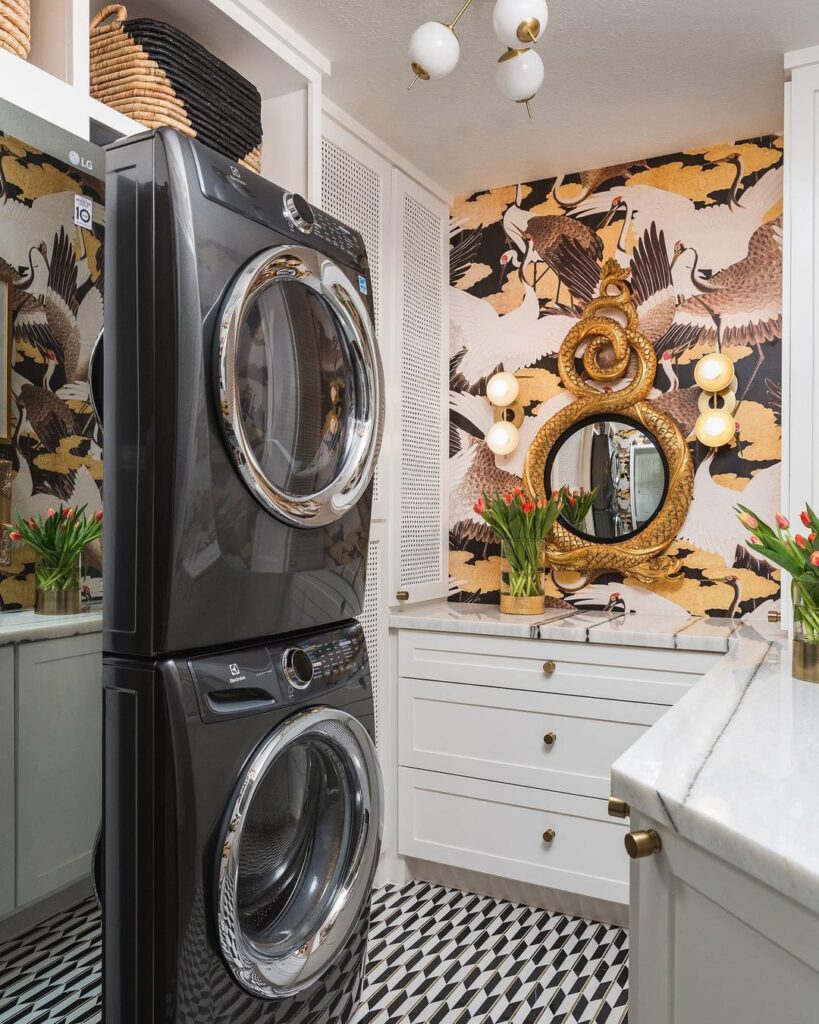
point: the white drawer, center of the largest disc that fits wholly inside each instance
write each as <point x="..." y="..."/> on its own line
<point x="494" y="734"/>
<point x="498" y="829"/>
<point x="584" y="670"/>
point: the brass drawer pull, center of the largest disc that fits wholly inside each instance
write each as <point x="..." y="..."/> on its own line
<point x="643" y="844"/>
<point x="618" y="808"/>
<point x="549" y="668"/>
<point x="549" y="739"/>
<point x="548" y="835"/>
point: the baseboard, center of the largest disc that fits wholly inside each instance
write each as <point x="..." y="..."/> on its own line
<point x="32" y="914"/>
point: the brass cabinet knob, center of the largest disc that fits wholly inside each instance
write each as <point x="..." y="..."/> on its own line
<point x="549" y="739"/>
<point x="548" y="668"/>
<point x="642" y="844"/>
<point x="402" y="595"/>
<point x="548" y="835"/>
<point x="618" y="808"/>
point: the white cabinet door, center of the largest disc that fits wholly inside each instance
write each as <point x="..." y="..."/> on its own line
<point x="355" y="187"/>
<point x="6" y="779"/>
<point x="709" y="943"/>
<point x="418" y="401"/>
<point x="59" y="762"/>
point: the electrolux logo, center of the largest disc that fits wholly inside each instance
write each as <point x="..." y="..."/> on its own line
<point x="80" y="161"/>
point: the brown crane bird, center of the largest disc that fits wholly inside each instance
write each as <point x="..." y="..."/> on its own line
<point x="590" y="180"/>
<point x="744" y="301"/>
<point x="571" y="249"/>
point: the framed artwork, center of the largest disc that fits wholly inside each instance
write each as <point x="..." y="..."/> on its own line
<point x="5" y="361"/>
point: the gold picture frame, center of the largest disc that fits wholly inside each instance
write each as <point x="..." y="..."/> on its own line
<point x="6" y="343"/>
<point x="642" y="555"/>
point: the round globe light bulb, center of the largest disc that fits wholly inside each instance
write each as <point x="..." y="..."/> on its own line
<point x="519" y="22"/>
<point x="502" y="389"/>
<point x="433" y="50"/>
<point x="502" y="437"/>
<point x="714" y="372"/>
<point x="519" y="74"/>
<point x="715" y="428"/>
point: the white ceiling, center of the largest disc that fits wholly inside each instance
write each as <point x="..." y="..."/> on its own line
<point x="625" y="79"/>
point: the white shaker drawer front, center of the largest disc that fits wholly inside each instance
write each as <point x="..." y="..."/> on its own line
<point x="581" y="669"/>
<point x="545" y="740"/>
<point x="530" y="835"/>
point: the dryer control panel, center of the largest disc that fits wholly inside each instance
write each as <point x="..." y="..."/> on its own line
<point x="252" y="680"/>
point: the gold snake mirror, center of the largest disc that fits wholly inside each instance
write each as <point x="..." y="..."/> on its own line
<point x="626" y="463"/>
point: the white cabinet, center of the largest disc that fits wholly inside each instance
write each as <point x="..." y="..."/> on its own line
<point x="709" y="943"/>
<point x="6" y="780"/>
<point x="504" y="739"/>
<point x="58" y="762"/>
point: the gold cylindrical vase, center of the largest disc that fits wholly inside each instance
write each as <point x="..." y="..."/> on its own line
<point x="58" y="602"/>
<point x="521" y="586"/>
<point x="805" y="660"/>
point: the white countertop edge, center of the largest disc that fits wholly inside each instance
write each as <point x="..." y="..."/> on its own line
<point x="22" y="626"/>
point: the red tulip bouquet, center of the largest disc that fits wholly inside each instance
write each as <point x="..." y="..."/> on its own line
<point x="59" y="540"/>
<point x="577" y="505"/>
<point x="521" y="524"/>
<point x="798" y="555"/>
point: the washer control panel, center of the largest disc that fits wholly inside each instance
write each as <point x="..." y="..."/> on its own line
<point x="253" y="680"/>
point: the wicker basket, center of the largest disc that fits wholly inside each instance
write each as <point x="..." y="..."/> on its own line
<point x="159" y="76"/>
<point x="15" y="27"/>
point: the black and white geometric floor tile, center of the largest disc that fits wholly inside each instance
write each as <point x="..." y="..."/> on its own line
<point x="441" y="956"/>
<point x="436" y="956"/>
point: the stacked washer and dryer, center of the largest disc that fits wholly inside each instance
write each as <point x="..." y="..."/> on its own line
<point x="243" y="416"/>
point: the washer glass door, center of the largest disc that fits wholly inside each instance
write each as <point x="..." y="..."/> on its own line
<point x="300" y="385"/>
<point x="299" y="852"/>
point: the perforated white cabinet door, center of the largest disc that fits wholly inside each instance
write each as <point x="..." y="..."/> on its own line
<point x="419" y="404"/>
<point x="355" y="187"/>
<point x="374" y="621"/>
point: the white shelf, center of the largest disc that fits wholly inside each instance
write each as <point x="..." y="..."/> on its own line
<point x="121" y="124"/>
<point x="42" y="94"/>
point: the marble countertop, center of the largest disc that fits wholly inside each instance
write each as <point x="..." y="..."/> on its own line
<point x="27" y="625"/>
<point x="680" y="632"/>
<point x="734" y="767"/>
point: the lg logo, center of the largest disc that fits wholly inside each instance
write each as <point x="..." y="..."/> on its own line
<point x="80" y="161"/>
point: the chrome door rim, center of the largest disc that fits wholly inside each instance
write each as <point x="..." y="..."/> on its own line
<point x="271" y="978"/>
<point x="287" y="263"/>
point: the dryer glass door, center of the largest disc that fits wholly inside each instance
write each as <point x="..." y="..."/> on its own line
<point x="300" y="385"/>
<point x="299" y="852"/>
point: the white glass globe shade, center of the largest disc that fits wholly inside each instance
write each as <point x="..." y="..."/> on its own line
<point x="502" y="437"/>
<point x="519" y="74"/>
<point x="715" y="428"/>
<point x="519" y="22"/>
<point x="502" y="389"/>
<point x="714" y="372"/>
<point x="433" y="50"/>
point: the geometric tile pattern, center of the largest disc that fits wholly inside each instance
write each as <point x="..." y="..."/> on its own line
<point x="442" y="956"/>
<point x="435" y="956"/>
<point x="54" y="972"/>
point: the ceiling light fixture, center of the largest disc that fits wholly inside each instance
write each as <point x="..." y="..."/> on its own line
<point x="434" y="49"/>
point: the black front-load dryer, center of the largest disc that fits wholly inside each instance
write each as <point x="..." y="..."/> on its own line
<point x="243" y="404"/>
<point x="243" y="810"/>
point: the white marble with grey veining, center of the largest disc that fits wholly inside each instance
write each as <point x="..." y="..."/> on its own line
<point x="681" y="631"/>
<point x="17" y="627"/>
<point x="734" y="767"/>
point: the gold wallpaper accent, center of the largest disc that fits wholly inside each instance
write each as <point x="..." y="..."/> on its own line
<point x="701" y="232"/>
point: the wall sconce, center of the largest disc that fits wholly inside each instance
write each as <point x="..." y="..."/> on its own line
<point x="715" y="425"/>
<point x="502" y="391"/>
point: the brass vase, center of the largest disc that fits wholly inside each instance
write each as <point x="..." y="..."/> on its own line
<point x="58" y="602"/>
<point x="805" y="638"/>
<point x="58" y="587"/>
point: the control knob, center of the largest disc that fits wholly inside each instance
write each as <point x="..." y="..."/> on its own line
<point x="299" y="212"/>
<point x="298" y="667"/>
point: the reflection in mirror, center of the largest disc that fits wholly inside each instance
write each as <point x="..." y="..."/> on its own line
<point x="615" y="472"/>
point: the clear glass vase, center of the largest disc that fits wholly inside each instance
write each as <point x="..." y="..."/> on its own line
<point x="805" y="635"/>
<point x="58" y="586"/>
<point x="522" y="580"/>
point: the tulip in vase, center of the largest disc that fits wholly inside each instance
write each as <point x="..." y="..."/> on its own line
<point x="59" y="540"/>
<point x="521" y="524"/>
<point x="798" y="555"/>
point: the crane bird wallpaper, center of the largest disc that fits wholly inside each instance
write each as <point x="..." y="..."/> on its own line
<point x="701" y="233"/>
<point x="51" y="273"/>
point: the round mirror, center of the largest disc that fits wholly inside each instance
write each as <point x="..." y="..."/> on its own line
<point x="616" y="473"/>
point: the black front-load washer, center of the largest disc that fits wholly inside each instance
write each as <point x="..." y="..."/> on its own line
<point x="243" y="810"/>
<point x="243" y="404"/>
